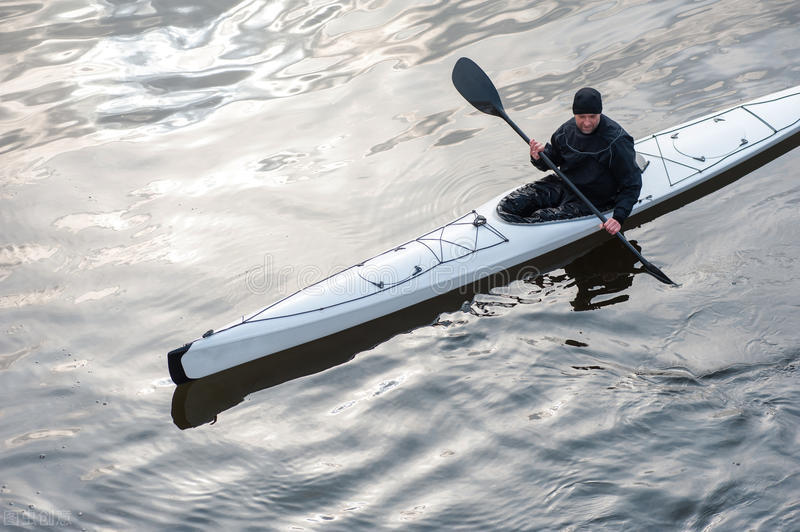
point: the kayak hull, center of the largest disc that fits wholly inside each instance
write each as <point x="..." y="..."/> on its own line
<point x="481" y="244"/>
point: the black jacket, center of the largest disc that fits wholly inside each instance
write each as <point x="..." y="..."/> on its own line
<point x="602" y="164"/>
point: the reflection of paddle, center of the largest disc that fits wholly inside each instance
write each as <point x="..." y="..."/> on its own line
<point x="476" y="87"/>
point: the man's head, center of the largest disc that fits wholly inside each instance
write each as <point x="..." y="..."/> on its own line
<point x="587" y="107"/>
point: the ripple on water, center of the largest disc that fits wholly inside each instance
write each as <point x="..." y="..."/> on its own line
<point x="43" y="434"/>
<point x="7" y="359"/>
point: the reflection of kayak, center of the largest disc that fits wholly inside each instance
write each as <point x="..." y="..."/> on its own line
<point x="480" y="243"/>
<point x="599" y="276"/>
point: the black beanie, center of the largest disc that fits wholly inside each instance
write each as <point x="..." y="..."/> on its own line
<point x="587" y="102"/>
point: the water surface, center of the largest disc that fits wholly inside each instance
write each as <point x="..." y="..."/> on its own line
<point x="170" y="166"/>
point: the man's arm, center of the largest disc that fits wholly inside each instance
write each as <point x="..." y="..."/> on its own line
<point x="552" y="153"/>
<point x="628" y="175"/>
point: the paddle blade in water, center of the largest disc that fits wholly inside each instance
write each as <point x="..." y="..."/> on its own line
<point x="476" y="87"/>
<point x="655" y="272"/>
<point x="649" y="268"/>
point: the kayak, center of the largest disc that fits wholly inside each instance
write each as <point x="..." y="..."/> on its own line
<point x="480" y="244"/>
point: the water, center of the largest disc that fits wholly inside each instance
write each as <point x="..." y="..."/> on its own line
<point x="169" y="166"/>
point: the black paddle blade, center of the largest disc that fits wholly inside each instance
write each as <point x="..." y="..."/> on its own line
<point x="476" y="87"/>
<point x="655" y="272"/>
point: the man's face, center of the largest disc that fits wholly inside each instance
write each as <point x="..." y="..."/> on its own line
<point x="587" y="123"/>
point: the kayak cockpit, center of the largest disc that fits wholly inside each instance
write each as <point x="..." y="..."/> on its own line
<point x="566" y="212"/>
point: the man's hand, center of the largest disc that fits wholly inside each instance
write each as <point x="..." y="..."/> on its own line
<point x="536" y="148"/>
<point x="612" y="226"/>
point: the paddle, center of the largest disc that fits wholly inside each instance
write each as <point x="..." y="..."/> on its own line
<point x="476" y="87"/>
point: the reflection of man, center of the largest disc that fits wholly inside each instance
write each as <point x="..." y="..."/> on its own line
<point x="598" y="157"/>
<point x="601" y="272"/>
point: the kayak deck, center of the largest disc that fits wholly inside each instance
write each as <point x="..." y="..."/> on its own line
<point x="389" y="270"/>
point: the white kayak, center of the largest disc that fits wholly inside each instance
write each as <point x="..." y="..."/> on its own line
<point x="480" y="243"/>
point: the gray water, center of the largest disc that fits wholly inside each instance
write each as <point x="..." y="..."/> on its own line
<point x="169" y="166"/>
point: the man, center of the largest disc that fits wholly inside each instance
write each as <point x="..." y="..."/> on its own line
<point x="598" y="157"/>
